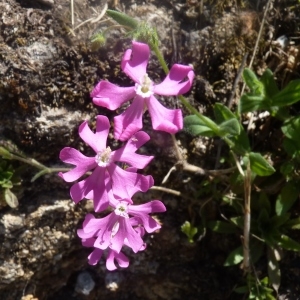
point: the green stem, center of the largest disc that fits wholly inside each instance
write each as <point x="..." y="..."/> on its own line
<point x="30" y="161"/>
<point x="160" y="57"/>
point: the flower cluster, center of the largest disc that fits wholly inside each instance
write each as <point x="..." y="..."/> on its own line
<point x="109" y="185"/>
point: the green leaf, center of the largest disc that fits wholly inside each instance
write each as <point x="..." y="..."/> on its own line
<point x="10" y="198"/>
<point x="291" y="128"/>
<point x="269" y="83"/>
<point x="5" y="153"/>
<point x="289" y="194"/>
<point x="256" y="250"/>
<point x="123" y="19"/>
<point x="278" y="221"/>
<point x="238" y="221"/>
<point x="195" y="126"/>
<point x="189" y="230"/>
<point x="293" y="224"/>
<point x="289" y="95"/>
<point x="264" y="202"/>
<point x="263" y="218"/>
<point x="250" y="103"/>
<point x="260" y="165"/>
<point x="252" y="82"/>
<point x="273" y="270"/>
<point x="222" y="227"/>
<point x="241" y="143"/>
<point x="223" y="113"/>
<point x="234" y="257"/>
<point x="287" y="243"/>
<point x="230" y="127"/>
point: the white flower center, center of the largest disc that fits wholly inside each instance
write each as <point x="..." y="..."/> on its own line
<point x="121" y="210"/>
<point x="145" y="88"/>
<point x="103" y="157"/>
<point x="115" y="229"/>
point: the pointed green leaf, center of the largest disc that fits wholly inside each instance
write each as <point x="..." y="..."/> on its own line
<point x="241" y="143"/>
<point x="289" y="95"/>
<point x="273" y="270"/>
<point x="269" y="83"/>
<point x="234" y="257"/>
<point x="256" y="250"/>
<point x="260" y="165"/>
<point x="10" y="198"/>
<point x="264" y="202"/>
<point x="287" y="243"/>
<point x="277" y="221"/>
<point x="223" y="113"/>
<point x="250" y="103"/>
<point x="289" y="194"/>
<point x="230" y="127"/>
<point x="123" y="19"/>
<point x="264" y="217"/>
<point x="293" y="224"/>
<point x="238" y="221"/>
<point x="252" y="82"/>
<point x="195" y="126"/>
<point x="5" y="153"/>
<point x="290" y="146"/>
<point x="291" y="128"/>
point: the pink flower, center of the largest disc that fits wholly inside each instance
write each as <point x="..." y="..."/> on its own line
<point x="124" y="226"/>
<point x="112" y="255"/>
<point x="134" y="64"/>
<point x="106" y="175"/>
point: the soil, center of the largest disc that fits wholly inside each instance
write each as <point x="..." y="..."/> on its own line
<point x="48" y="68"/>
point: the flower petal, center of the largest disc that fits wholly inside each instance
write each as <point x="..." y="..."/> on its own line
<point x="135" y="242"/>
<point x="89" y="242"/>
<point x="122" y="260"/>
<point x="74" y="157"/>
<point x="164" y="119"/>
<point x="95" y="186"/>
<point x="126" y="184"/>
<point x="142" y="211"/>
<point x="97" y="140"/>
<point x="110" y="95"/>
<point x="95" y="256"/>
<point x="104" y="237"/>
<point x="153" y="206"/>
<point x="130" y="121"/>
<point x="127" y="152"/>
<point x="173" y="84"/>
<point x="135" y="61"/>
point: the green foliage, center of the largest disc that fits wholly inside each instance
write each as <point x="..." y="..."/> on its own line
<point x="189" y="230"/>
<point x="8" y="180"/>
<point x="123" y="19"/>
<point x="140" y="31"/>
<point x="265" y="95"/>
<point x="256" y="289"/>
<point x="98" y="40"/>
<point x="271" y="219"/>
<point x="235" y="257"/>
<point x="259" y="165"/>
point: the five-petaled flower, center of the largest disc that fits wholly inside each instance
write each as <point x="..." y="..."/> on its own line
<point x="134" y="64"/>
<point x="106" y="176"/>
<point x="124" y="226"/>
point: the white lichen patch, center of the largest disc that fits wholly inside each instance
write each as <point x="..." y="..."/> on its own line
<point x="59" y="117"/>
